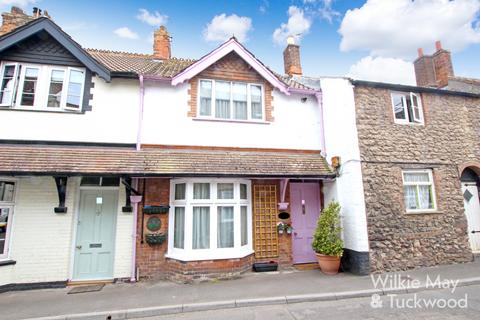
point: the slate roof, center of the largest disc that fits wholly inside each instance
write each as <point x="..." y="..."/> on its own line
<point x="463" y="84"/>
<point x="51" y="160"/>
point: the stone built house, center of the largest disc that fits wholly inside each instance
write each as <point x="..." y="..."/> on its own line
<point x="144" y="165"/>
<point x="420" y="166"/>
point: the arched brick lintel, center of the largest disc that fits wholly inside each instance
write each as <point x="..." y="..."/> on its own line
<point x="474" y="165"/>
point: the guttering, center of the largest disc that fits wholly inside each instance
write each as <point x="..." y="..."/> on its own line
<point x="318" y="96"/>
<point x="140" y="113"/>
<point x="136" y="199"/>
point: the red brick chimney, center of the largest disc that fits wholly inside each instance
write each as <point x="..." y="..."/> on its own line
<point x="291" y="58"/>
<point x="433" y="70"/>
<point x="17" y="17"/>
<point x="161" y="44"/>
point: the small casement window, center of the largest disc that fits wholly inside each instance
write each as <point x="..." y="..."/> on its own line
<point x="7" y="198"/>
<point x="100" y="182"/>
<point x="211" y="219"/>
<point x="419" y="191"/>
<point x="230" y="100"/>
<point x="42" y="87"/>
<point x="407" y="108"/>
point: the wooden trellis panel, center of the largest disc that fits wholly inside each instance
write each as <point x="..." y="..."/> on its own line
<point x="265" y="221"/>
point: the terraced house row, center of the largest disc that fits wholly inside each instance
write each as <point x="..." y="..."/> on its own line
<point x="124" y="166"/>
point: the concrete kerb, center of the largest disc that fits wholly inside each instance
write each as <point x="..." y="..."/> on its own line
<point x="239" y="303"/>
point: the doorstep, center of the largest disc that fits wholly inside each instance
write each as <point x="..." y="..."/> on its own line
<point x="74" y="283"/>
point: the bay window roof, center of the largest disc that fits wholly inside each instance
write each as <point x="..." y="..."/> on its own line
<point x="62" y="160"/>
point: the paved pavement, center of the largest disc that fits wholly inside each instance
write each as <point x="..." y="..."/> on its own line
<point x="268" y="288"/>
<point x="354" y="309"/>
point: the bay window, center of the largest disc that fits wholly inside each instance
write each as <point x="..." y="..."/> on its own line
<point x="7" y="198"/>
<point x="230" y="100"/>
<point x="211" y="219"/>
<point x="41" y="87"/>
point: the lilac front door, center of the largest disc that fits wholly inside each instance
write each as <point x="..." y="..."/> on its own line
<point x="305" y="205"/>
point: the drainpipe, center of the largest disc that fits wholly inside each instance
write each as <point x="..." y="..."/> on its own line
<point x="135" y="199"/>
<point x="140" y="114"/>
<point x="319" y="97"/>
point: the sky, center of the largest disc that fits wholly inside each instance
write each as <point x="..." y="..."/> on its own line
<point x="365" y="39"/>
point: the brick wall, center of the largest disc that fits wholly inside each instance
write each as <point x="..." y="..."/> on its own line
<point x="231" y="68"/>
<point x="449" y="138"/>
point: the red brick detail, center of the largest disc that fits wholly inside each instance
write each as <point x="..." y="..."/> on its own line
<point x="192" y="271"/>
<point x="231" y="68"/>
<point x="150" y="259"/>
<point x="291" y="60"/>
<point x="161" y="44"/>
<point x="443" y="67"/>
<point x="14" y="19"/>
<point x="433" y="70"/>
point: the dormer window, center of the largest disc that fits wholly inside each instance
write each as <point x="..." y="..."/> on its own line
<point x="407" y="108"/>
<point x="228" y="100"/>
<point x="41" y="87"/>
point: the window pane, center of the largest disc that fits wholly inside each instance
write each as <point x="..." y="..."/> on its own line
<point x="410" y="193"/>
<point x="416" y="177"/>
<point x="6" y="91"/>
<point x="4" y="219"/>
<point x="7" y="189"/>
<point x="225" y="190"/>
<point x="225" y="227"/>
<point x="398" y="107"/>
<point x="180" y="191"/>
<point x="243" y="225"/>
<point x="256" y="100"/>
<point x="425" y="199"/>
<point x="90" y="181"/>
<point x="222" y="100"/>
<point x="205" y="98"/>
<point x="29" y="86"/>
<point x="56" y="87"/>
<point x="75" y="84"/>
<point x="179" y="228"/>
<point x="201" y="228"/>
<point x="243" y="191"/>
<point x="239" y="95"/>
<point x="201" y="191"/>
<point x="110" y="181"/>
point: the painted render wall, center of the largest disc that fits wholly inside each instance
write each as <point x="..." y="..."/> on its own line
<point x="41" y="241"/>
<point x="113" y="118"/>
<point x="295" y="125"/>
<point x="341" y="139"/>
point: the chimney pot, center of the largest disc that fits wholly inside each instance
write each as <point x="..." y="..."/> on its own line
<point x="161" y="44"/>
<point x="438" y="45"/>
<point x="420" y="52"/>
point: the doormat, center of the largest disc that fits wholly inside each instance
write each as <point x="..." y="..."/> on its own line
<point x="83" y="289"/>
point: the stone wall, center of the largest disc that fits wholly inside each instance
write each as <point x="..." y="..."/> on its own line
<point x="448" y="139"/>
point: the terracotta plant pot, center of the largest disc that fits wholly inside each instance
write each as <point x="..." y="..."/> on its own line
<point x="328" y="264"/>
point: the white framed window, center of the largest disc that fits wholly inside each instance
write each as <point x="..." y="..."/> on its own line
<point x="210" y="219"/>
<point x="7" y="204"/>
<point x="407" y="108"/>
<point x="419" y="191"/>
<point x="41" y="87"/>
<point x="227" y="100"/>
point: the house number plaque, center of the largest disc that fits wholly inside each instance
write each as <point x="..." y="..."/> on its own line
<point x="154" y="224"/>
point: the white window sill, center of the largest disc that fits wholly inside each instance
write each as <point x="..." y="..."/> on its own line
<point x="4" y="108"/>
<point x="420" y="124"/>
<point x="435" y="211"/>
<point x="231" y="120"/>
<point x="210" y="254"/>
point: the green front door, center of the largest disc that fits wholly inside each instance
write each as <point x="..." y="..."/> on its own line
<point x="94" y="249"/>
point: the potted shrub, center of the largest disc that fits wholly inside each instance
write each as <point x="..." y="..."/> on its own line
<point x="327" y="241"/>
<point x="280" y="227"/>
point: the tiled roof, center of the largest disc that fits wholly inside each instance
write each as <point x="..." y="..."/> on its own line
<point x="40" y="159"/>
<point x="117" y="61"/>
